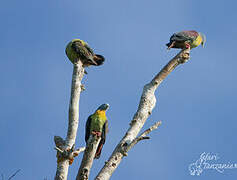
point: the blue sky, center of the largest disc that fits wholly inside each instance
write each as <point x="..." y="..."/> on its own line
<point x="196" y="103"/>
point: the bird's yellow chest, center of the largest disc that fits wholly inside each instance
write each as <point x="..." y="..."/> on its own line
<point x="196" y="42"/>
<point x="98" y="120"/>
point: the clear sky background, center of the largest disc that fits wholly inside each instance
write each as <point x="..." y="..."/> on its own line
<point x="196" y="103"/>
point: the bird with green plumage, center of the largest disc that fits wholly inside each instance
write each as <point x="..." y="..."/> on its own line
<point x="79" y="50"/>
<point x="186" y="39"/>
<point x="97" y="125"/>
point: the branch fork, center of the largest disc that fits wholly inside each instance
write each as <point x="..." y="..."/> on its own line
<point x="127" y="146"/>
<point x="146" y="105"/>
<point x="66" y="154"/>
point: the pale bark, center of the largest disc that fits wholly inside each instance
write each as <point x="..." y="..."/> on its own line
<point x="88" y="158"/>
<point x="65" y="148"/>
<point x="146" y="105"/>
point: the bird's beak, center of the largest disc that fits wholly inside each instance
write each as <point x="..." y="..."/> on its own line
<point x="203" y="44"/>
<point x="203" y="39"/>
<point x="107" y="106"/>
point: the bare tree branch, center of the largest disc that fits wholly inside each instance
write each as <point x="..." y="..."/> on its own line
<point x="67" y="145"/>
<point x="146" y="105"/>
<point x="88" y="158"/>
<point x="14" y="174"/>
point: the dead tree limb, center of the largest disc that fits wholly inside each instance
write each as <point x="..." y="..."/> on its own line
<point x="146" y="105"/>
<point x="88" y="158"/>
<point x="67" y="146"/>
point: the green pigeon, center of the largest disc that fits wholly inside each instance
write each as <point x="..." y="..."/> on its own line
<point x="79" y="50"/>
<point x="97" y="124"/>
<point x="186" y="39"/>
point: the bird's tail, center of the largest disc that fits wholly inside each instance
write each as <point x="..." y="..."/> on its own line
<point x="99" y="59"/>
<point x="98" y="151"/>
<point x="170" y="45"/>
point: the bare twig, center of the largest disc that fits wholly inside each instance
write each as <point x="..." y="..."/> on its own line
<point x="146" y="105"/>
<point x="146" y="132"/>
<point x="88" y="158"/>
<point x="79" y="150"/>
<point x="56" y="148"/>
<point x="73" y="120"/>
<point x="14" y="174"/>
<point x="143" y="136"/>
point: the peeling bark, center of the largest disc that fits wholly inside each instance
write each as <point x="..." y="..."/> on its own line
<point x="146" y="105"/>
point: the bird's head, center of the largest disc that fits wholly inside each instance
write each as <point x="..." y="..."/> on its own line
<point x="203" y="39"/>
<point x="103" y="107"/>
<point x="79" y="40"/>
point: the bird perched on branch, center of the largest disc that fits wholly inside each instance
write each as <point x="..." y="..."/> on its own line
<point x="79" y="50"/>
<point x="186" y="39"/>
<point x="97" y="124"/>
